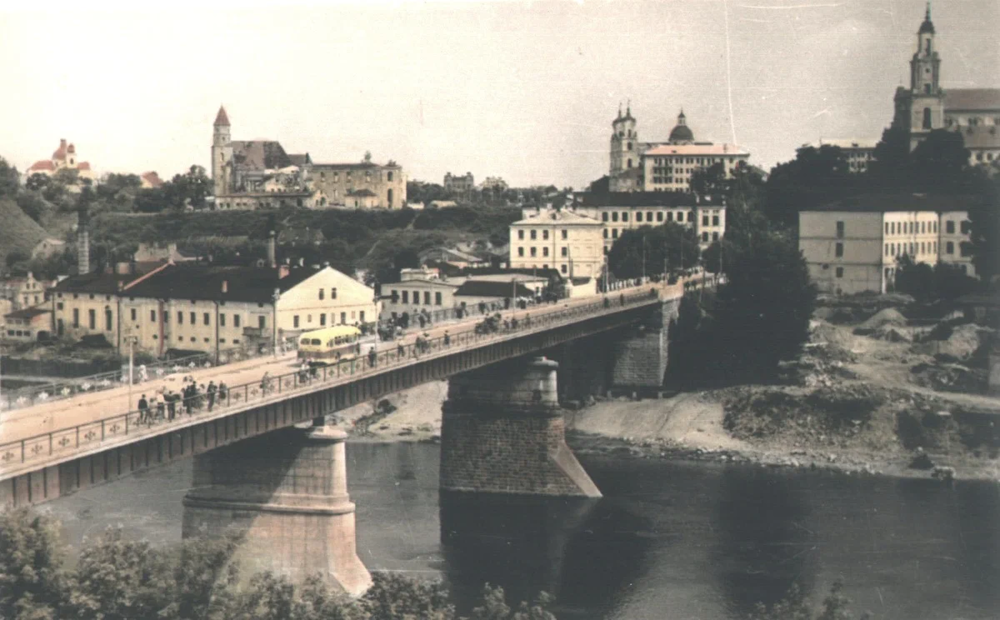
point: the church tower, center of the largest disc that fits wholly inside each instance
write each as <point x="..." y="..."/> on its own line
<point x="920" y="109"/>
<point x="222" y="154"/>
<point x="624" y="143"/>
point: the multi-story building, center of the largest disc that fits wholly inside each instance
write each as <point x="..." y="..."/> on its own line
<point x="459" y="184"/>
<point x="27" y="325"/>
<point x="495" y="184"/>
<point x="925" y="106"/>
<point x="260" y="174"/>
<point x="621" y="211"/>
<point x="26" y="291"/>
<point x="664" y="166"/>
<point x="854" y="245"/>
<point x="423" y="290"/>
<point x="207" y="307"/>
<point x="859" y="153"/>
<point x="561" y="239"/>
<point x="63" y="158"/>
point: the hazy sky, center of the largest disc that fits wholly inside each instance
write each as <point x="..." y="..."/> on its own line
<point x="524" y="90"/>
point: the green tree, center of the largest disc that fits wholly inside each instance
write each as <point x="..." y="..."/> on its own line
<point x="940" y="163"/>
<point x="710" y="181"/>
<point x="10" y="180"/>
<point x="762" y="312"/>
<point x="984" y="233"/>
<point x="37" y="182"/>
<point x="33" y="582"/>
<point x="814" y="177"/>
<point x="915" y="279"/>
<point x="392" y="596"/>
<point x="191" y="188"/>
<point x="890" y="166"/>
<point x="119" y="579"/>
<point x="672" y="244"/>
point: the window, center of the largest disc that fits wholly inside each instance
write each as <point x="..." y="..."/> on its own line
<point x="361" y="316"/>
<point x="236" y="320"/>
<point x="107" y="320"/>
<point x="840" y="230"/>
<point x="534" y="235"/>
<point x="563" y="268"/>
<point x="520" y="235"/>
<point x="565" y="234"/>
<point x="840" y="272"/>
<point x="839" y="250"/>
<point x="927" y="118"/>
<point x="427" y="298"/>
<point x="406" y="297"/>
<point x="949" y="227"/>
<point x="604" y="217"/>
<point x="659" y="216"/>
<point x="295" y="321"/>
<point x="545" y="251"/>
<point x="533" y="252"/>
<point x="625" y="217"/>
<point x="887" y="228"/>
<point x="614" y="216"/>
<point x="180" y="318"/>
<point x="92" y="318"/>
<point x="321" y="294"/>
<point x="704" y="220"/>
<point x="715" y="220"/>
<point x="690" y="216"/>
<point x="343" y="318"/>
<point x="704" y="237"/>
<point x="262" y="322"/>
<point x="333" y="293"/>
<point x="205" y="318"/>
<point x="638" y="216"/>
<point x="520" y="251"/>
<point x="564" y="251"/>
<point x="152" y="316"/>
<point x="437" y="298"/>
<point x="545" y="235"/>
<point x="222" y="320"/>
<point x="715" y="236"/>
<point x="966" y="226"/>
<point x="670" y="216"/>
<point x="614" y="233"/>
<point x="132" y="313"/>
<point x="194" y="318"/>
<point x="322" y="319"/>
<point x="605" y="233"/>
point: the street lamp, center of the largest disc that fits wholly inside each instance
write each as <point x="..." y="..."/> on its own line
<point x="132" y="341"/>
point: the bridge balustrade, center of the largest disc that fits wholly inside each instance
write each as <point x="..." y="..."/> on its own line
<point x="271" y="389"/>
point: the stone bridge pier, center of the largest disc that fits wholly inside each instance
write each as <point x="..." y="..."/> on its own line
<point x="640" y="352"/>
<point x="285" y="494"/>
<point x="503" y="432"/>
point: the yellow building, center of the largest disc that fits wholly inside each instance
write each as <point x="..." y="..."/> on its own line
<point x="559" y="239"/>
<point x="209" y="308"/>
<point x="64" y="158"/>
<point x="854" y="245"/>
<point x="621" y="211"/>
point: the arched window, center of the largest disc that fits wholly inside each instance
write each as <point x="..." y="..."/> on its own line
<point x="927" y="118"/>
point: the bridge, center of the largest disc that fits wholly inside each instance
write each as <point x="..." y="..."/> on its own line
<point x="502" y="430"/>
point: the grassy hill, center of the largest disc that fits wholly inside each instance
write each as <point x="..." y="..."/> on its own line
<point x="18" y="232"/>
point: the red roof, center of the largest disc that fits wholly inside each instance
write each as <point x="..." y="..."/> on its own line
<point x="83" y="165"/>
<point x="221" y="118"/>
<point x="152" y="178"/>
<point x="60" y="152"/>
<point x="43" y="164"/>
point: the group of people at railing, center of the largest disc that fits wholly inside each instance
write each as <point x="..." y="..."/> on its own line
<point x="165" y="404"/>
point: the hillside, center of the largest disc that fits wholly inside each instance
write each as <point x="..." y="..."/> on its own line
<point x="18" y="232"/>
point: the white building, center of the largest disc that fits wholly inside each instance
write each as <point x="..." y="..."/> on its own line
<point x="854" y="245"/>
<point x="559" y="239"/>
<point x="621" y="211"/>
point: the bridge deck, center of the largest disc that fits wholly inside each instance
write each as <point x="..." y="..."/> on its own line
<point x="46" y="434"/>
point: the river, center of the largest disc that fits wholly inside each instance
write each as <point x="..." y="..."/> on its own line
<point x="670" y="539"/>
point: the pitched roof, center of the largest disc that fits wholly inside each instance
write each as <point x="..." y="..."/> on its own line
<point x="83" y="165"/>
<point x="299" y="159"/>
<point x="485" y="288"/>
<point x="97" y="282"/>
<point x="971" y="99"/>
<point x="637" y="199"/>
<point x="562" y="217"/>
<point x="876" y="203"/>
<point x="259" y="155"/>
<point x="27" y="313"/>
<point x="204" y="282"/>
<point x="42" y="164"/>
<point x="697" y="149"/>
<point x="361" y="165"/>
<point x="221" y="118"/>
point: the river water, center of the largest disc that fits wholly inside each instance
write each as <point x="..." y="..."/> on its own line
<point x="669" y="539"/>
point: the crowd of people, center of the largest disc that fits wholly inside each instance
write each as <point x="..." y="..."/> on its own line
<point x="166" y="404"/>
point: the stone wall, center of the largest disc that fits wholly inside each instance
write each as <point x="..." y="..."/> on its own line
<point x="641" y="356"/>
<point x="503" y="432"/>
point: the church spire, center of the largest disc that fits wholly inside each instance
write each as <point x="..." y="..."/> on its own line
<point x="221" y="119"/>
<point x="927" y="27"/>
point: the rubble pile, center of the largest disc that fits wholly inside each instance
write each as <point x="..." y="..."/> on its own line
<point x="881" y="320"/>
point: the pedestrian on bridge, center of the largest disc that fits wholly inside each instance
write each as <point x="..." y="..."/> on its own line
<point x="447" y="339"/>
<point x="212" y="389"/>
<point x="372" y="357"/>
<point x="223" y="392"/>
<point x="143" y="409"/>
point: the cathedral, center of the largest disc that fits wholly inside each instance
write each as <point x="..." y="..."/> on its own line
<point x="254" y="174"/>
<point x="925" y="106"/>
<point x="663" y="166"/>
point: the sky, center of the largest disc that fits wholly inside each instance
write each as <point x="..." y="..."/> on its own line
<point x="518" y="89"/>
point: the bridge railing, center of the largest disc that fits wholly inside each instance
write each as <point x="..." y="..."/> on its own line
<point x="141" y="373"/>
<point x="148" y="422"/>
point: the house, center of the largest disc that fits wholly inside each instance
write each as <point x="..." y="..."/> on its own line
<point x="28" y="324"/>
<point x="568" y="241"/>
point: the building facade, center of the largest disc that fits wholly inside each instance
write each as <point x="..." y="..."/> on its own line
<point x="209" y="308"/>
<point x="258" y="174"/>
<point x="925" y="106"/>
<point x="495" y="184"/>
<point x="27" y="325"/>
<point x="63" y="158"/>
<point x="664" y="166"/>
<point x="859" y="153"/>
<point x="569" y="242"/>
<point x="459" y="183"/>
<point x="854" y="245"/>
<point x="621" y="211"/>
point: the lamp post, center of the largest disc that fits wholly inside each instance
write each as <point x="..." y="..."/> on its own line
<point x="132" y="341"/>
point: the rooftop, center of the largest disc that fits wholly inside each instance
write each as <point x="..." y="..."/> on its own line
<point x="484" y="288"/>
<point x="877" y="203"/>
<point x="561" y="217"/>
<point x="637" y="199"/>
<point x="972" y="99"/>
<point x="696" y="149"/>
<point x="27" y="313"/>
<point x="220" y="282"/>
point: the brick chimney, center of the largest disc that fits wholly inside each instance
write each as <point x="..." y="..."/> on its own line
<point x="83" y="242"/>
<point x="272" y="255"/>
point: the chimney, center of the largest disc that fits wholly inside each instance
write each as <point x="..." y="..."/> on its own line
<point x="283" y="271"/>
<point x="225" y="286"/>
<point x="82" y="243"/>
<point x="272" y="257"/>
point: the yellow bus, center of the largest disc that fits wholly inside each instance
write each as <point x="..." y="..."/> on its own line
<point x="330" y="345"/>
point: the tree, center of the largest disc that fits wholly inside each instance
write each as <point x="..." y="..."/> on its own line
<point x="915" y="279"/>
<point x="763" y="309"/>
<point x="711" y="181"/>
<point x="190" y="188"/>
<point x="37" y="182"/>
<point x="32" y="579"/>
<point x="814" y="177"/>
<point x="890" y="168"/>
<point x="672" y="244"/>
<point x="984" y="220"/>
<point x="10" y="180"/>
<point x="392" y="596"/>
<point x="940" y="163"/>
